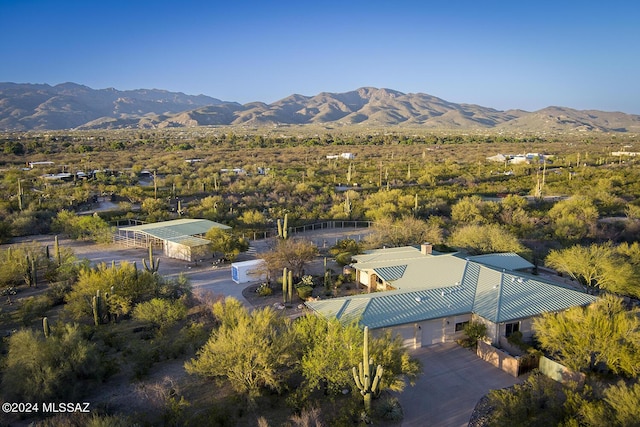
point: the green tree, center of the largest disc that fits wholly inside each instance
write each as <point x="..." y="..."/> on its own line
<point x="292" y="254"/>
<point x="327" y="352"/>
<point x="574" y="218"/>
<point x="599" y="266"/>
<point x="388" y="204"/>
<point x="584" y="338"/>
<point x="623" y="400"/>
<point x="513" y="214"/>
<point x="472" y="210"/>
<point x="252" y="350"/>
<point x="90" y="227"/>
<point x="484" y="239"/>
<point x="253" y="218"/>
<point x="226" y="242"/>
<point x="404" y="231"/>
<point x="330" y="349"/>
<point x="155" y="209"/>
<point x="344" y="249"/>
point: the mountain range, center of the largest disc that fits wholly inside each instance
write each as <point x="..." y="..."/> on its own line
<point x="26" y="107"/>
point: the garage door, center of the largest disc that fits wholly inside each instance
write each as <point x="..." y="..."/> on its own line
<point x="408" y="334"/>
<point x="432" y="332"/>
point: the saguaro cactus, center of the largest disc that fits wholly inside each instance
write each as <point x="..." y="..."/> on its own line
<point x="45" y="327"/>
<point x="283" y="226"/>
<point x="284" y="285"/>
<point x="366" y="376"/>
<point x="152" y="267"/>
<point x="56" y="249"/>
<point x="20" y="196"/>
<point x="34" y="272"/>
<point x="28" y="273"/>
<point x="96" y="306"/>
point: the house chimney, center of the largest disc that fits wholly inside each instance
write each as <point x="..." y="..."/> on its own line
<point x="426" y="248"/>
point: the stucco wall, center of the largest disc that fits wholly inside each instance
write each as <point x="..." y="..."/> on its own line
<point x="498" y="358"/>
<point x="429" y="332"/>
<point x="495" y="331"/>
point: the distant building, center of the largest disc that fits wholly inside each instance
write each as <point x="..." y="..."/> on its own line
<point x="348" y="156"/>
<point x="625" y="153"/>
<point x="47" y="163"/>
<point x="515" y="159"/>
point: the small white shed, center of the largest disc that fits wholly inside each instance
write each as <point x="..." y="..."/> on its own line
<point x="248" y="271"/>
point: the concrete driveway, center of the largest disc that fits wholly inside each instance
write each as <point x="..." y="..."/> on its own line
<point x="453" y="381"/>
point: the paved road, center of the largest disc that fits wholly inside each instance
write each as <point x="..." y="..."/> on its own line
<point x="202" y="276"/>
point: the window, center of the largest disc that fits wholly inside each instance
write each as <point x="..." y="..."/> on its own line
<point x="460" y="326"/>
<point x="510" y="328"/>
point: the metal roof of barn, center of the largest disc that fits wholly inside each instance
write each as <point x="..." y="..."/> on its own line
<point x="178" y="230"/>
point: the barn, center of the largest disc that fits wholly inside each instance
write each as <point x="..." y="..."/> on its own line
<point x="180" y="239"/>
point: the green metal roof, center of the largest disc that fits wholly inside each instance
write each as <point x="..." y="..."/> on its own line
<point x="393" y="272"/>
<point x="508" y="261"/>
<point x="179" y="230"/>
<point x="446" y="285"/>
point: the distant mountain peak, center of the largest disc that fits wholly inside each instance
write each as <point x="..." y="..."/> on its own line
<point x="67" y="105"/>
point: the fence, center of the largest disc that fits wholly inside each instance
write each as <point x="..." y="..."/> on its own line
<point x="560" y="372"/>
<point x="513" y="365"/>
<point x="317" y="226"/>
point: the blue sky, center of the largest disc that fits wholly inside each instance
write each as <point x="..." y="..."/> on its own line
<point x="500" y="54"/>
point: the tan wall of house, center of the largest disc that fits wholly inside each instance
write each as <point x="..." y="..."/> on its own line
<point x="495" y="331"/>
<point x="525" y="328"/>
<point x="363" y="277"/>
<point x="492" y="328"/>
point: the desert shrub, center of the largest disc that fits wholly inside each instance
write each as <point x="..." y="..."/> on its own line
<point x="474" y="332"/>
<point x="176" y="288"/>
<point x="33" y="308"/>
<point x="161" y="313"/>
<point x="264" y="290"/>
<point x="56" y="368"/>
<point x="78" y="419"/>
<point x="143" y="355"/>
<point x="130" y="287"/>
<point x="516" y="339"/>
<point x="57" y="292"/>
<point x="389" y="409"/>
<point x="304" y="292"/>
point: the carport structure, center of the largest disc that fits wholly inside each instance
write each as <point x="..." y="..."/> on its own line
<point x="179" y="239"/>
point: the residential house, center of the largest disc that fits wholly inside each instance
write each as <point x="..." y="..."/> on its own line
<point x="428" y="297"/>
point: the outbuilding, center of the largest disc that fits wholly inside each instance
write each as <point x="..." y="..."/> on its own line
<point x="180" y="239"/>
<point x="248" y="271"/>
